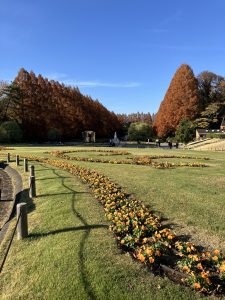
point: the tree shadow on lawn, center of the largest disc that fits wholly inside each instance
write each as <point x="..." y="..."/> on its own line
<point x="57" y="194"/>
<point x="48" y="178"/>
<point x="87" y="228"/>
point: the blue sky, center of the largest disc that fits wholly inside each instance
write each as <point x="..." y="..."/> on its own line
<point x="122" y="52"/>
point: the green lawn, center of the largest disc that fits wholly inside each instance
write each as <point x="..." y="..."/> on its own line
<point x="71" y="254"/>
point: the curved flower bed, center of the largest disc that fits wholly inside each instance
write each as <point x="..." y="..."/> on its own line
<point x="106" y="152"/>
<point x="136" y="160"/>
<point x="140" y="232"/>
<point x="176" y="156"/>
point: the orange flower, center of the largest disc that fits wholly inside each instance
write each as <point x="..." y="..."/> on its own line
<point x="185" y="268"/>
<point x="215" y="258"/>
<point x="199" y="266"/>
<point x="197" y="286"/>
<point x="171" y="236"/>
<point x="216" y="252"/>
<point x="141" y="257"/>
<point x="151" y="260"/>
<point x="204" y="275"/>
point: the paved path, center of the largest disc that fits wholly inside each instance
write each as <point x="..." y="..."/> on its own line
<point x="6" y="200"/>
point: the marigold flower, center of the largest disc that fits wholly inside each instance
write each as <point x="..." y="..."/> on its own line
<point x="151" y="260"/>
<point x="141" y="257"/>
<point x="215" y="258"/>
<point x="197" y="285"/>
<point x="208" y="254"/>
<point x="204" y="275"/>
<point x="216" y="252"/>
<point x="149" y="251"/>
<point x="222" y="268"/>
<point x="199" y="266"/>
<point x="186" y="268"/>
<point x="195" y="258"/>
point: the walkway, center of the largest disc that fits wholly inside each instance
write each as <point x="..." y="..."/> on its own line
<point x="6" y="200"/>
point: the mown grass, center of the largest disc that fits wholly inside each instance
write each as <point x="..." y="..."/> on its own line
<point x="70" y="253"/>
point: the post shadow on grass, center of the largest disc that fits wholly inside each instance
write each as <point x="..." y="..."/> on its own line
<point x="48" y="178"/>
<point x="57" y="194"/>
<point x="84" y="227"/>
<point x="87" y="230"/>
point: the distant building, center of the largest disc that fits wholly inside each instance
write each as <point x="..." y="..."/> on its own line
<point x="89" y="136"/>
<point x="202" y="133"/>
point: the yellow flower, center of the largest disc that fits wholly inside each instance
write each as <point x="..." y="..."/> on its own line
<point x="215" y="258"/>
<point x="195" y="257"/>
<point x="149" y="251"/>
<point x="208" y="254"/>
<point x="222" y="268"/>
<point x="145" y="240"/>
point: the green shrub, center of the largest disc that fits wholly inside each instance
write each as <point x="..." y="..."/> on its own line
<point x="215" y="135"/>
<point x="54" y="134"/>
<point x="185" y="131"/>
<point x="10" y="132"/>
<point x="139" y="131"/>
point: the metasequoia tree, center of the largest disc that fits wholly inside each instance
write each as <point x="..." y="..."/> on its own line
<point x="40" y="105"/>
<point x="180" y="102"/>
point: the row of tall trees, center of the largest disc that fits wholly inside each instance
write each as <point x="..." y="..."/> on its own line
<point x="40" y="105"/>
<point x="200" y="100"/>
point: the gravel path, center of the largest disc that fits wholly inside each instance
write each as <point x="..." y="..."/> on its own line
<point x="6" y="200"/>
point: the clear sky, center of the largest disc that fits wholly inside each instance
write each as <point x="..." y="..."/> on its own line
<point x="122" y="52"/>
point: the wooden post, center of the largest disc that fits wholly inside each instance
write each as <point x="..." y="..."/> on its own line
<point x="25" y="165"/>
<point x="32" y="192"/>
<point x="22" y="227"/>
<point x="17" y="160"/>
<point x="32" y="173"/>
<point x="8" y="157"/>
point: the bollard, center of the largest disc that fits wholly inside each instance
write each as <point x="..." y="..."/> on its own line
<point x="22" y="227"/>
<point x="25" y="165"/>
<point x="32" y="173"/>
<point x="8" y="157"/>
<point x="32" y="192"/>
<point x="17" y="160"/>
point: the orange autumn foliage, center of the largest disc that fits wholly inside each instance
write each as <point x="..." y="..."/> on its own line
<point x="180" y="102"/>
<point x="47" y="104"/>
